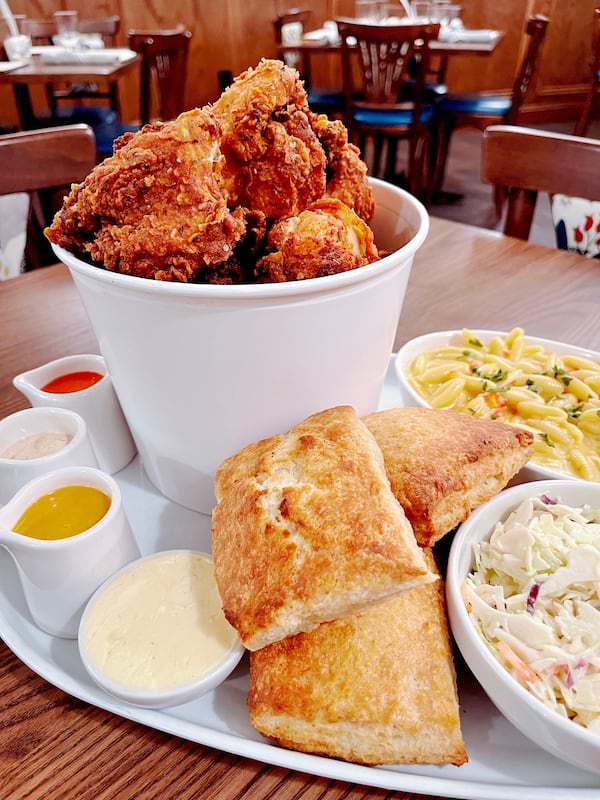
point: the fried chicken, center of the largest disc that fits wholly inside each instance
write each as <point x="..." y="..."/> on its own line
<point x="326" y="238"/>
<point x="346" y="172"/>
<point x="254" y="188"/>
<point x="274" y="161"/>
<point x="157" y="207"/>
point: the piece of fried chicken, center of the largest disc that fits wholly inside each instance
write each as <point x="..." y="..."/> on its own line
<point x="324" y="239"/>
<point x="158" y="207"/>
<point x="193" y="199"/>
<point x="346" y="172"/>
<point x="274" y="162"/>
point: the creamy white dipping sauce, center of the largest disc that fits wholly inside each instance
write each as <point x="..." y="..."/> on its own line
<point x="159" y="624"/>
<point x="36" y="445"/>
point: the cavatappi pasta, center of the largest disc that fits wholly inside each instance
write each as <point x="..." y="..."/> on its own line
<point x="556" y="397"/>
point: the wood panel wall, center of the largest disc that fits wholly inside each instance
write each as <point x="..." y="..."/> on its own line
<point x="234" y="34"/>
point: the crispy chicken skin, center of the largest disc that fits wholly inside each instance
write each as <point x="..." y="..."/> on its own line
<point x="274" y="161"/>
<point x="156" y="208"/>
<point x="219" y="194"/>
<point x="325" y="238"/>
<point x="346" y="172"/>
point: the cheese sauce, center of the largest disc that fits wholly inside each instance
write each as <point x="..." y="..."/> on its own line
<point x="160" y="623"/>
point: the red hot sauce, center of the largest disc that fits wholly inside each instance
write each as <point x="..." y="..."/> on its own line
<point x="72" y="382"/>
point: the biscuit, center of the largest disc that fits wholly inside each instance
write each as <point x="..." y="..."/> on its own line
<point x="442" y="464"/>
<point x="307" y="530"/>
<point x="376" y="688"/>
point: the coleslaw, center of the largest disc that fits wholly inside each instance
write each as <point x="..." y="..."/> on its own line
<point x="533" y="594"/>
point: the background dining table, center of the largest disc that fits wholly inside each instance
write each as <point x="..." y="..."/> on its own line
<point x="53" y="745"/>
<point x="314" y="45"/>
<point x="40" y="72"/>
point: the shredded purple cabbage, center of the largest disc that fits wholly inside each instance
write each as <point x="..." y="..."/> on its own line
<point x="532" y="597"/>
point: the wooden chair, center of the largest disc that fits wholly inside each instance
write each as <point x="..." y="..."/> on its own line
<point x="44" y="163"/>
<point x="322" y="100"/>
<point x="591" y="98"/>
<point x="529" y="161"/>
<point x="480" y="109"/>
<point x="162" y="84"/>
<point x="65" y="104"/>
<point x="43" y="30"/>
<point x="377" y="62"/>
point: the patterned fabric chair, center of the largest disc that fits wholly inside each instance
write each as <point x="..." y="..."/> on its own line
<point x="529" y="161"/>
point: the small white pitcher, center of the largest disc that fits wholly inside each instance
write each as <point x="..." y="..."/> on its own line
<point x="59" y="576"/>
<point x="78" y="452"/>
<point x="98" y="405"/>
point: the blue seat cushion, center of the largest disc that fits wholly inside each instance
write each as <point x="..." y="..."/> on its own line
<point x="71" y="115"/>
<point x="400" y="117"/>
<point x="475" y="104"/>
<point x="106" y="134"/>
<point x="433" y="92"/>
<point x="327" y="98"/>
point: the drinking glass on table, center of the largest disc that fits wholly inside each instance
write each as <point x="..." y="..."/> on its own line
<point x="67" y="28"/>
<point x="421" y="10"/>
<point x="453" y="19"/>
<point x="18" y="47"/>
<point x="440" y="11"/>
<point x="370" y="11"/>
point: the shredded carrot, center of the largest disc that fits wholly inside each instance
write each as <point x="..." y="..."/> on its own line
<point x="513" y="660"/>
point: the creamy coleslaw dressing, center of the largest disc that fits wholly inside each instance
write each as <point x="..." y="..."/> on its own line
<point x="160" y="623"/>
<point x="534" y="596"/>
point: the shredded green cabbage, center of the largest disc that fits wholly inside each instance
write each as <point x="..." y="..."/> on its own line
<point x="534" y="596"/>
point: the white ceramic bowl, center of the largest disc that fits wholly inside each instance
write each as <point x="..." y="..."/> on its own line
<point x="559" y="736"/>
<point x="428" y="341"/>
<point x="139" y="596"/>
<point x="203" y="370"/>
<point x="78" y="452"/>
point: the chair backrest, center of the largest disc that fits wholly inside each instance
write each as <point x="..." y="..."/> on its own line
<point x="289" y="28"/>
<point x="300" y="18"/>
<point x="42" y="30"/>
<point x="164" y="68"/>
<point x="535" y="28"/>
<point x="593" y="91"/>
<point x="387" y="56"/>
<point x="107" y="27"/>
<point x="44" y="163"/>
<point x="528" y="161"/>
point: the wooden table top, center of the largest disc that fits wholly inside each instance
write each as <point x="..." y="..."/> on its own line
<point x="40" y="71"/>
<point x="55" y="746"/>
<point x="439" y="46"/>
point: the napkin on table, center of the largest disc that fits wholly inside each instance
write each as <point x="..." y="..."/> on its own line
<point x="465" y="35"/>
<point x="61" y="55"/>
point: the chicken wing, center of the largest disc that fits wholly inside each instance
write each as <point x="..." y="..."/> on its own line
<point x="346" y="172"/>
<point x="326" y="238"/>
<point x="157" y="207"/>
<point x="274" y="162"/>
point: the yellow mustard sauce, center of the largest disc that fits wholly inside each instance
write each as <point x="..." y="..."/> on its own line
<point x="64" y="512"/>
